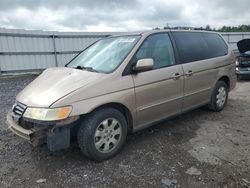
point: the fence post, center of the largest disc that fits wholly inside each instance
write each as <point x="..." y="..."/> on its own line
<point x="55" y="52"/>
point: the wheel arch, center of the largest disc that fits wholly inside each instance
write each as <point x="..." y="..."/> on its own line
<point x="226" y="80"/>
<point x="123" y="109"/>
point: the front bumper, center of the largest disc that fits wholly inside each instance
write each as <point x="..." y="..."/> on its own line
<point x="37" y="135"/>
<point x="242" y="72"/>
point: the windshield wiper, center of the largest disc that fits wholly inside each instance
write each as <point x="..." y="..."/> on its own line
<point x="91" y="69"/>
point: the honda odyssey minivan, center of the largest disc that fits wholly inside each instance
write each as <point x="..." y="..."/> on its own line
<point x="121" y="84"/>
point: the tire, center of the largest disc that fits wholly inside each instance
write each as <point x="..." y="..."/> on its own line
<point x="219" y="97"/>
<point x="102" y="134"/>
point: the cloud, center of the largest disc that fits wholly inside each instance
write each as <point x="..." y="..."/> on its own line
<point x="116" y="15"/>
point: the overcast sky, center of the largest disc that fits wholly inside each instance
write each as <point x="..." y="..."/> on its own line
<point x="121" y="15"/>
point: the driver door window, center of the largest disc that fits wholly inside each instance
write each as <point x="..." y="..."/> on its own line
<point x="159" y="48"/>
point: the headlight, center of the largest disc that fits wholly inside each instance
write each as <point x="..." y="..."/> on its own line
<point x="47" y="114"/>
<point x="237" y="63"/>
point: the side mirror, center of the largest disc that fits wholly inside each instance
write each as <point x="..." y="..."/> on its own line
<point x="144" y="65"/>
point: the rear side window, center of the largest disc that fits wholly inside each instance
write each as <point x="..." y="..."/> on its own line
<point x="216" y="45"/>
<point x="159" y="48"/>
<point x="195" y="46"/>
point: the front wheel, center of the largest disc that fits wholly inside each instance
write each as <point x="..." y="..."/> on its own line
<point x="102" y="134"/>
<point x="219" y="97"/>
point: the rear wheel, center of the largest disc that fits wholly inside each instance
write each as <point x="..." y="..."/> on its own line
<point x="219" y="97"/>
<point x="102" y="134"/>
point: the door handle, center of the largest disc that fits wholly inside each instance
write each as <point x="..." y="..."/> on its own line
<point x="176" y="76"/>
<point x="190" y="73"/>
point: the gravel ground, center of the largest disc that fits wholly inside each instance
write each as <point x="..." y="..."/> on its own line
<point x="197" y="149"/>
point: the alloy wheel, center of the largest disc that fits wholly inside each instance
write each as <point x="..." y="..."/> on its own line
<point x="107" y="135"/>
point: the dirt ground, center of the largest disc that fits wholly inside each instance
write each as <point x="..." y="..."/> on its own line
<point x="198" y="149"/>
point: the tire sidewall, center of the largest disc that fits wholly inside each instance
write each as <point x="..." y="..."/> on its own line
<point x="96" y="118"/>
<point x="218" y="85"/>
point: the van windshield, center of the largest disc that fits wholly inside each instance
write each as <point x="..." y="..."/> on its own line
<point x="105" y="55"/>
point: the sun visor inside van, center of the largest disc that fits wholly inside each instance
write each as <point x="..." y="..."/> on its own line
<point x="244" y="45"/>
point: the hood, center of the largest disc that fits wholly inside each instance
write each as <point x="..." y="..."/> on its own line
<point x="243" y="45"/>
<point x="55" y="83"/>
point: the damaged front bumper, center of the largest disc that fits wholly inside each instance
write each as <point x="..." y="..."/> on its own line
<point x="243" y="73"/>
<point x="34" y="135"/>
<point x="43" y="132"/>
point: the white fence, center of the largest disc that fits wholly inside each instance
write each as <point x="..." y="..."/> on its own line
<point x="233" y="37"/>
<point x="23" y="50"/>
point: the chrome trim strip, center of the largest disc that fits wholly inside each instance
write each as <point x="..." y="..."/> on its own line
<point x="193" y="93"/>
<point x="160" y="103"/>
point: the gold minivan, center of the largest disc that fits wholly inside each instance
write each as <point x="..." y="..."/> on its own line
<point x="122" y="84"/>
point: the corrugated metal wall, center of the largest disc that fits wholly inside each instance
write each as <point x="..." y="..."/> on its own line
<point x="23" y="50"/>
<point x="233" y="37"/>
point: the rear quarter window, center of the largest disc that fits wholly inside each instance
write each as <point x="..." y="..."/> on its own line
<point x="195" y="46"/>
<point x="216" y="45"/>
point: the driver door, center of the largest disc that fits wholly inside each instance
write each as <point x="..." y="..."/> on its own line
<point x="159" y="92"/>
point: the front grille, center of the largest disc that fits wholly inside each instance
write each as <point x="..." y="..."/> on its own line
<point x="245" y="64"/>
<point x="18" y="109"/>
<point x="244" y="61"/>
<point x="26" y="125"/>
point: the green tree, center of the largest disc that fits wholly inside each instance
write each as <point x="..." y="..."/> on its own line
<point x="240" y="28"/>
<point x="208" y="28"/>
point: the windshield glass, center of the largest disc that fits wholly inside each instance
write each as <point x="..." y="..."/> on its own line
<point x="105" y="55"/>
